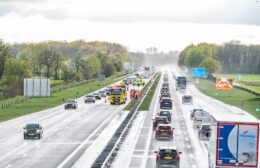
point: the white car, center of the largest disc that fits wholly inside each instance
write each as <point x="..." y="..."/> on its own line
<point x="200" y="117"/>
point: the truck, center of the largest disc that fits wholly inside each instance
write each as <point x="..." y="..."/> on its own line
<point x="181" y="82"/>
<point x="117" y="95"/>
<point x="234" y="141"/>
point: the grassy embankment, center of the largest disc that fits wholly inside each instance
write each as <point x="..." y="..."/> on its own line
<point x="148" y="99"/>
<point x="248" y="81"/>
<point x="38" y="104"/>
<point x="237" y="97"/>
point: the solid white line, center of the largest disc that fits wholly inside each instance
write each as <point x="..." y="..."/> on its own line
<point x="64" y="162"/>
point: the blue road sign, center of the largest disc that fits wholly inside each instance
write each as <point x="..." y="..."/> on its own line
<point x="197" y="72"/>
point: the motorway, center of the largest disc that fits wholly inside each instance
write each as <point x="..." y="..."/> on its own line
<point x="74" y="138"/>
<point x="140" y="144"/>
<point x="67" y="134"/>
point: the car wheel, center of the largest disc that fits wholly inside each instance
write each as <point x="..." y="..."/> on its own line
<point x="24" y="137"/>
<point x="40" y="136"/>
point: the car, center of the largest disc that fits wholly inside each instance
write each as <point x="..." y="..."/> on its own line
<point x="187" y="99"/>
<point x="167" y="114"/>
<point x="200" y="117"/>
<point x="204" y="131"/>
<point x="165" y="79"/>
<point x="167" y="156"/>
<point x="165" y="85"/>
<point x="164" y="89"/>
<point x="90" y="99"/>
<point x="164" y="131"/>
<point x="165" y="94"/>
<point x="193" y="112"/>
<point x="32" y="131"/>
<point x="166" y="103"/>
<point x="102" y="93"/>
<point x="97" y="96"/>
<point x="159" y="120"/>
<point x="71" y="104"/>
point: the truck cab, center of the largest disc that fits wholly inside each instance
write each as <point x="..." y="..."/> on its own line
<point x="117" y="96"/>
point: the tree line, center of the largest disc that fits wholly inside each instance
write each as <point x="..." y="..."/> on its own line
<point x="231" y="57"/>
<point x="75" y="61"/>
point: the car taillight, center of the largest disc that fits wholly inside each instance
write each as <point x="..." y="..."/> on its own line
<point x="157" y="130"/>
<point x="167" y="122"/>
<point x="159" y="156"/>
<point x="154" y="122"/>
<point x="177" y="156"/>
<point x="194" y="118"/>
<point x="171" y="130"/>
<point x="209" y="119"/>
<point x="201" y="130"/>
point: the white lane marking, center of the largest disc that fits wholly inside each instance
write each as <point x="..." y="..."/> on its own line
<point x="64" y="162"/>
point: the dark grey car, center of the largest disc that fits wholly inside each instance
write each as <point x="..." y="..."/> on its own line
<point x="32" y="131"/>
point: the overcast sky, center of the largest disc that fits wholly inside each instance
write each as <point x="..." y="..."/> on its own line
<point x="137" y="24"/>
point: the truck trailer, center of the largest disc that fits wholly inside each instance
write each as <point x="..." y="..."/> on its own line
<point x="234" y="142"/>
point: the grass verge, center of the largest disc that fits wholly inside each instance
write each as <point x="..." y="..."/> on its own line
<point x="237" y="97"/>
<point x="148" y="99"/>
<point x="38" y="104"/>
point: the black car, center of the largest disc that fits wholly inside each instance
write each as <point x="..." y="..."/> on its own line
<point x="164" y="131"/>
<point x="164" y="89"/>
<point x="166" y="103"/>
<point x="204" y="131"/>
<point x="167" y="157"/>
<point x="159" y="120"/>
<point x="167" y="114"/>
<point x="71" y="104"/>
<point x="97" y="96"/>
<point x="90" y="99"/>
<point x="32" y="131"/>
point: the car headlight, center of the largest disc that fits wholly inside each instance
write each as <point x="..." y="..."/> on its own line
<point x="25" y="131"/>
<point x="38" y="131"/>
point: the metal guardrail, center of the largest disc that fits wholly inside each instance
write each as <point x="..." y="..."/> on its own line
<point x="109" y="151"/>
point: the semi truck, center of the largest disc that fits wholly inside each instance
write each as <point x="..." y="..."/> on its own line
<point x="234" y="142"/>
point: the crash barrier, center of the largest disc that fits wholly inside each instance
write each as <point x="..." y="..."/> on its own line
<point x="14" y="101"/>
<point x="23" y="99"/>
<point x="213" y="79"/>
<point x="106" y="156"/>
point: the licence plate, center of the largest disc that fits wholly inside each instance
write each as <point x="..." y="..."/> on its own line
<point x="199" y="120"/>
<point x="161" y="130"/>
<point x="31" y="134"/>
<point x="164" y="133"/>
<point x="168" y="158"/>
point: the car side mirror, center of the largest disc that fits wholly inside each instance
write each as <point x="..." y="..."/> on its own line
<point x="155" y="152"/>
<point x="180" y="152"/>
<point x="173" y="128"/>
<point x="40" y="127"/>
<point x="23" y="127"/>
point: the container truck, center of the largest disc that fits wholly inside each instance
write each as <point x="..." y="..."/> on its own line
<point x="234" y="142"/>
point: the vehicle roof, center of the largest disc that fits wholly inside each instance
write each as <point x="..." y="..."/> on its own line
<point x="166" y="98"/>
<point x="167" y="147"/>
<point x="239" y="117"/>
<point x="70" y="100"/>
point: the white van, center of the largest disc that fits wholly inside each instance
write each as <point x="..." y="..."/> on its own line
<point x="200" y="117"/>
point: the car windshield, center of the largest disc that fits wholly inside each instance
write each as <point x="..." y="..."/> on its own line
<point x="187" y="97"/>
<point x="206" y="127"/>
<point x="70" y="101"/>
<point x="90" y="96"/>
<point x="168" y="152"/>
<point x="116" y="91"/>
<point x="32" y="126"/>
